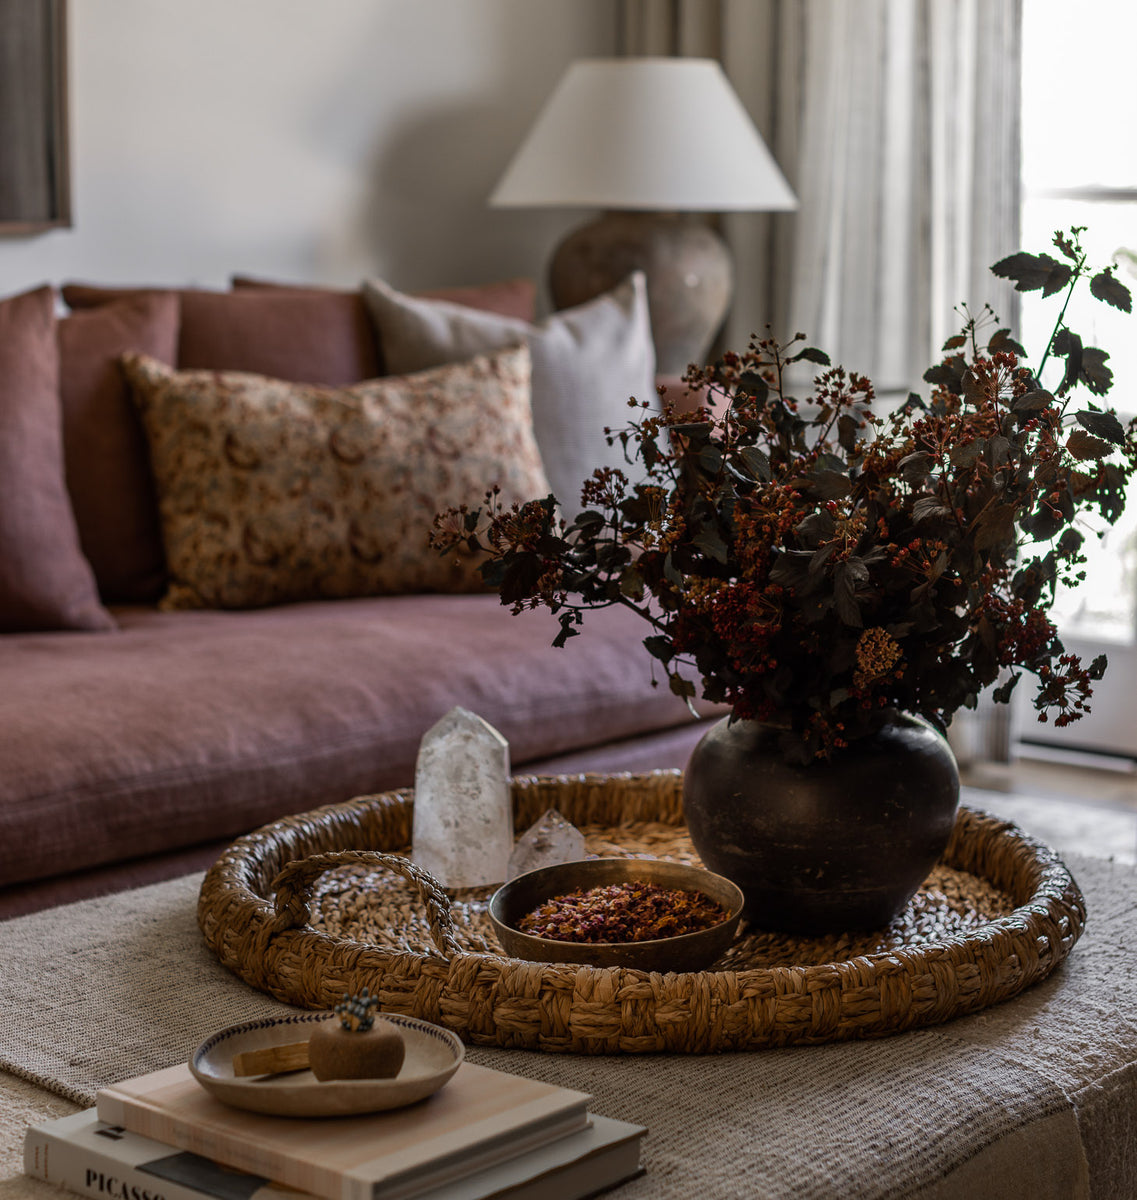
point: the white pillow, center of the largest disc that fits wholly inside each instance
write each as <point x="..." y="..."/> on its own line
<point x="587" y="362"/>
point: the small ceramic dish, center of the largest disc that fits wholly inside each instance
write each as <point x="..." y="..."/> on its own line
<point x="432" y="1056"/>
<point x="685" y="952"/>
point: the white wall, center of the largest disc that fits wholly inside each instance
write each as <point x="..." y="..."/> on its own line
<point x="314" y="140"/>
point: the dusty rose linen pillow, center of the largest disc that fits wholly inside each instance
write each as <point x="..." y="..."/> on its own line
<point x="587" y="362"/>
<point x="104" y="447"/>
<point x="45" y="582"/>
<point x="272" y="491"/>
<point x="300" y="335"/>
<point x="507" y="297"/>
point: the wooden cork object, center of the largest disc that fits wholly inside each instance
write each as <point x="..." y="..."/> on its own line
<point x="354" y="1044"/>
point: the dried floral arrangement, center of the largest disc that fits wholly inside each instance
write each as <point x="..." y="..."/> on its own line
<point x="817" y="565"/>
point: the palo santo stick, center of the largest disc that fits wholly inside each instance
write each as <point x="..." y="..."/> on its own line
<point x="272" y="1060"/>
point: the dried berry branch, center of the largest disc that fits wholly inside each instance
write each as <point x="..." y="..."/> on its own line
<point x="816" y="565"/>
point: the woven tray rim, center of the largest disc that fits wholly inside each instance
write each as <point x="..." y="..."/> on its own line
<point x="490" y="999"/>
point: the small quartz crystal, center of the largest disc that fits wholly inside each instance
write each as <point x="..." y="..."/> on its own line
<point x="546" y="843"/>
<point x="463" y="817"/>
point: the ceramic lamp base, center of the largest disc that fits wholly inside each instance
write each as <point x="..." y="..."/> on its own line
<point x="689" y="277"/>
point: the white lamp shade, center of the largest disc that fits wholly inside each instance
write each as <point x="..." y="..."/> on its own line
<point x="665" y="134"/>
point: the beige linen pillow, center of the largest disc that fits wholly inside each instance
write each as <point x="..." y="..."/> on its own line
<point x="587" y="362"/>
<point x="272" y="491"/>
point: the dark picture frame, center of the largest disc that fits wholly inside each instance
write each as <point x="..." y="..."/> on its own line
<point x="35" y="183"/>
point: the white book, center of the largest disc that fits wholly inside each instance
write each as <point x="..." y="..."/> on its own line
<point x="480" y="1118"/>
<point x="106" y="1162"/>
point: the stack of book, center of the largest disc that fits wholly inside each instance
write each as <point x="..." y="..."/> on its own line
<point x="162" y="1137"/>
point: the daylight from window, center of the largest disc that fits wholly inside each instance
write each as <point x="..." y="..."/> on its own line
<point x="1080" y="168"/>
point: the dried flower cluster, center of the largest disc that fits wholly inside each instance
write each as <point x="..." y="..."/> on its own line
<point x="357" y="1013"/>
<point x="816" y="565"/>
<point x="622" y="912"/>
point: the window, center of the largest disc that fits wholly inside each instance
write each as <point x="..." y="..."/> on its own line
<point x="1080" y="168"/>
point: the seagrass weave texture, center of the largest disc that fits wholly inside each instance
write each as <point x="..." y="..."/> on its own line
<point x="326" y="902"/>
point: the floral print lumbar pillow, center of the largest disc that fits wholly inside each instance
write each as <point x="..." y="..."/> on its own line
<point x="272" y="491"/>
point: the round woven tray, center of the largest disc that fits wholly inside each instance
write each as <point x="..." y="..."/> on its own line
<point x="326" y="902"/>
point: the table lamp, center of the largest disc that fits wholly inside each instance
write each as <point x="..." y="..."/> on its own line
<point x="651" y="141"/>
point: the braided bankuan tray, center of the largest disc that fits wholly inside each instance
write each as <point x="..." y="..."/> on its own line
<point x="326" y="902"/>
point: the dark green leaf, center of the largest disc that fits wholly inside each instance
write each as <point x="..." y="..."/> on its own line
<point x="1084" y="445"/>
<point x="811" y="354"/>
<point x="995" y="527"/>
<point x="756" y="463"/>
<point x="969" y="453"/>
<point x="1070" y="543"/>
<point x="1063" y="340"/>
<point x="695" y="431"/>
<point x="1094" y="373"/>
<point x="847" y="426"/>
<point x="1072" y="352"/>
<point x="1002" y="694"/>
<point x="1034" y="401"/>
<point x="752" y="384"/>
<point x="1102" y="425"/>
<point x="1001" y="340"/>
<point x="827" y="485"/>
<point x="669" y="572"/>
<point x="1056" y="281"/>
<point x="914" y="402"/>
<point x="973" y="390"/>
<point x="955" y="342"/>
<point x="1033" y="271"/>
<point x="589" y="522"/>
<point x="929" y="508"/>
<point x="815" y="527"/>
<point x="680" y="686"/>
<point x="916" y="467"/>
<point x="710" y="542"/>
<point x="569" y="621"/>
<point x="1106" y="286"/>
<point x="632" y="582"/>
<point x="820" y="560"/>
<point x="789" y="568"/>
<point x="845" y="594"/>
<point x="1096" y="669"/>
<point x="947" y="374"/>
<point x="520" y="578"/>
<point x="710" y="459"/>
<point x="610" y="556"/>
<point x="660" y="647"/>
<point x="999" y="450"/>
<point x="1111" y="494"/>
<point x="492" y="572"/>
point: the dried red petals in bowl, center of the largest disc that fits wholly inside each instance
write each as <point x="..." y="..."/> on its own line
<point x="611" y="929"/>
<point x="632" y="911"/>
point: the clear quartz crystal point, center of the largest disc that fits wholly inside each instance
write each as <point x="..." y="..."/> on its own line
<point x="463" y="816"/>
<point x="547" y="842"/>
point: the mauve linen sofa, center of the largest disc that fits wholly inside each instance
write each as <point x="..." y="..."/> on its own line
<point x="136" y="742"/>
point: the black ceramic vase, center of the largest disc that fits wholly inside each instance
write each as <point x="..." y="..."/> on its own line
<point x="829" y="846"/>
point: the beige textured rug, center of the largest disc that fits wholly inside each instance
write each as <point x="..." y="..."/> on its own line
<point x="97" y="991"/>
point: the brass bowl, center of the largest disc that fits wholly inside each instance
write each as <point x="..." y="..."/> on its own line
<point x="684" y="952"/>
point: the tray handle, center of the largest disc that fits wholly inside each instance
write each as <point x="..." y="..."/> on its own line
<point x="293" y="887"/>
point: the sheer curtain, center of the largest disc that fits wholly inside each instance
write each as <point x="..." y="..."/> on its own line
<point x="897" y="124"/>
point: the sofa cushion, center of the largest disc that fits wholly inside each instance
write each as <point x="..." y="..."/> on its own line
<point x="45" y="582"/>
<point x="272" y="491"/>
<point x="187" y="727"/>
<point x="587" y="362"/>
<point x="303" y="336"/>
<point x="104" y="446"/>
<point x="507" y="297"/>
